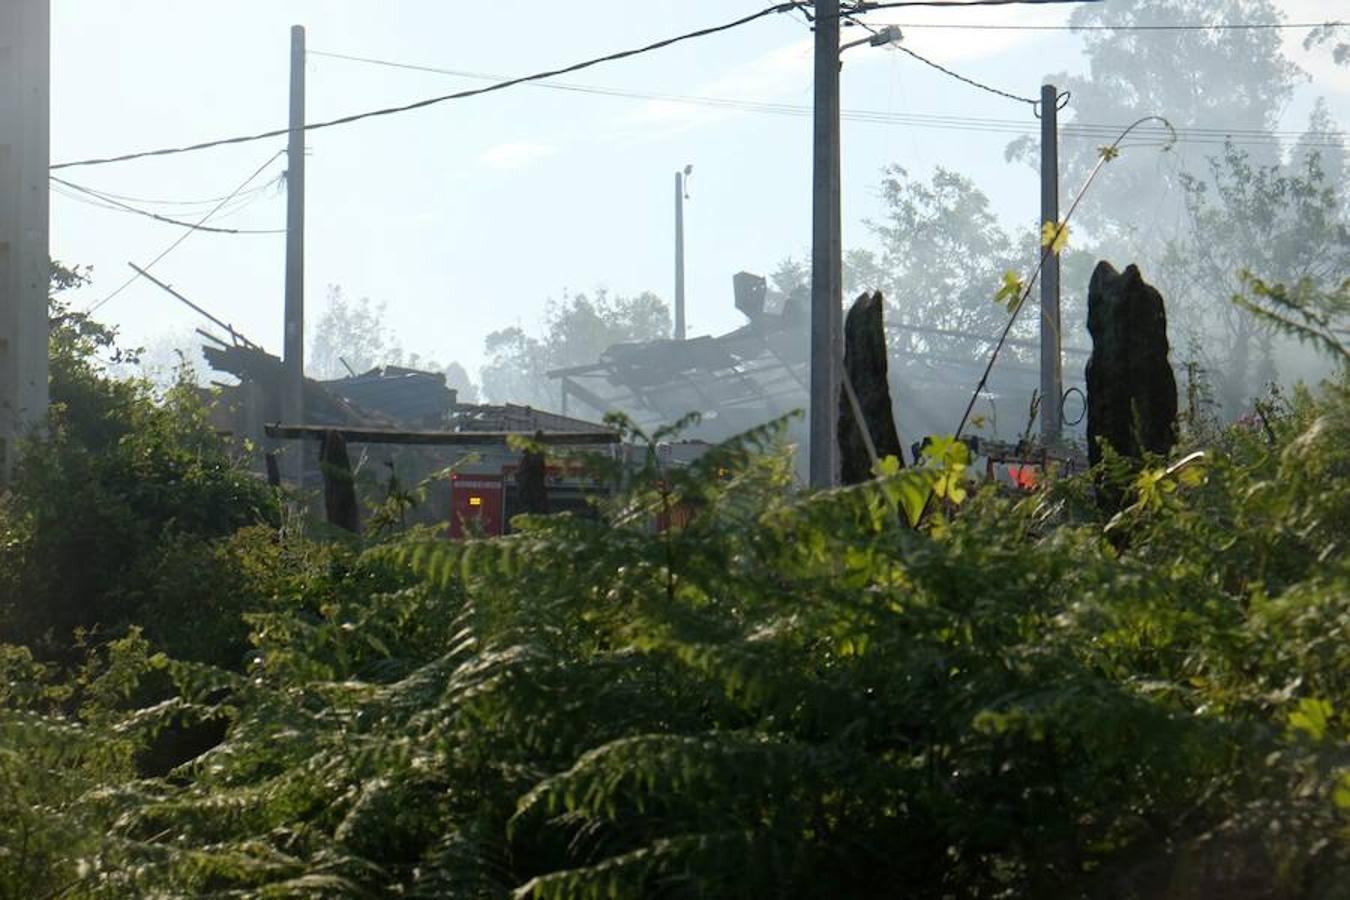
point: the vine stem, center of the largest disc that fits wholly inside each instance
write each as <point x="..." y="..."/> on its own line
<point x="1105" y="155"/>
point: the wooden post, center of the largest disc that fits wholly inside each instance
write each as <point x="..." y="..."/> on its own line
<point x="339" y="488"/>
<point x="531" y="482"/>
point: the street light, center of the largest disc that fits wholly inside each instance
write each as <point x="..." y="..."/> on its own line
<point x="885" y="37"/>
<point x="827" y="314"/>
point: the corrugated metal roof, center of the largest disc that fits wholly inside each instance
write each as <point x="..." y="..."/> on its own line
<point x="760" y="372"/>
<point x="406" y="395"/>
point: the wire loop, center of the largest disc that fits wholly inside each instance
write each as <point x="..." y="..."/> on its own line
<point x="1064" y="398"/>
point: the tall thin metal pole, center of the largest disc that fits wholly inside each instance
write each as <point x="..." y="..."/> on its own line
<point x="1052" y="377"/>
<point x="293" y="360"/>
<point x="679" y="256"/>
<point x="25" y="272"/>
<point x="826" y="252"/>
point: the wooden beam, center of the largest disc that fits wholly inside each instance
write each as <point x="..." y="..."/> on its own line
<point x="439" y="438"/>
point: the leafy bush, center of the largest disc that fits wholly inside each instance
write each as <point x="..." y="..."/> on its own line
<point x="123" y="484"/>
<point x="785" y="696"/>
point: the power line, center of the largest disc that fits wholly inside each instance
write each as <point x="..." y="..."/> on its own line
<point x="575" y="67"/>
<point x="1218" y="26"/>
<point x="458" y="95"/>
<point x="946" y="71"/>
<point x="1086" y="131"/>
<point x="73" y="196"/>
<point x="866" y="6"/>
<point x="118" y="206"/>
<point x="206" y="201"/>
<point x="185" y="235"/>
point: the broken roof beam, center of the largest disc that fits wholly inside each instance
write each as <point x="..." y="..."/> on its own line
<point x="587" y="396"/>
<point x="439" y="438"/>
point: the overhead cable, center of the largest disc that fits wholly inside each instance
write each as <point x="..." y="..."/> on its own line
<point x="575" y="67"/>
<point x="192" y="228"/>
<point x="458" y="95"/>
<point x="205" y="201"/>
<point x="1217" y="26"/>
<point x="109" y="203"/>
<point x="1083" y="130"/>
<point x="867" y="6"/>
<point x="946" y="71"/>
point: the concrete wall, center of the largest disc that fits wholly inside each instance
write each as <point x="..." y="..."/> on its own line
<point x="25" y="41"/>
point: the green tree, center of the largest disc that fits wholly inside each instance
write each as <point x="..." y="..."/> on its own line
<point x="1331" y="33"/>
<point x="941" y="254"/>
<point x="1234" y="79"/>
<point x="124" y="485"/>
<point x="577" y="330"/>
<point x="782" y="696"/>
<point x="1286" y="222"/>
<point x="355" y="332"/>
<point x="457" y="379"/>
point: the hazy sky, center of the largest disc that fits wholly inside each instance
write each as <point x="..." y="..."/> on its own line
<point x="468" y="216"/>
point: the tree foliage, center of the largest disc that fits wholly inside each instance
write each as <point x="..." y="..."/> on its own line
<point x="577" y="330"/>
<point x="939" y="248"/>
<point x="1236" y="79"/>
<point x="351" y="336"/>
<point x="123" y="484"/>
<point x="785" y="696"/>
<point x="1285" y="221"/>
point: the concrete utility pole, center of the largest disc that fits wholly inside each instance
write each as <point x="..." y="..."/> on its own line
<point x="826" y="252"/>
<point x="680" y="193"/>
<point x="25" y="271"/>
<point x="293" y="358"/>
<point x="1052" y="376"/>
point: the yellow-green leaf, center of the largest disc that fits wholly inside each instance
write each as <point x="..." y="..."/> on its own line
<point x="1055" y="236"/>
<point x="1108" y="152"/>
<point x="886" y="467"/>
<point x="1341" y="795"/>
<point x="911" y="491"/>
<point x="1311" y="717"/>
<point x="1010" y="291"/>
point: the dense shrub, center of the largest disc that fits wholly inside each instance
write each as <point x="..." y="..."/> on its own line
<point x="786" y="696"/>
<point x="124" y="487"/>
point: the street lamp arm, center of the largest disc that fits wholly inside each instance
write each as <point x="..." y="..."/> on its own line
<point x="889" y="35"/>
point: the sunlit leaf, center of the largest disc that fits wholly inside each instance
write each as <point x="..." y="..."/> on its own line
<point x="886" y="467"/>
<point x="1312" y="717"/>
<point x="1010" y="291"/>
<point x="1055" y="236"/>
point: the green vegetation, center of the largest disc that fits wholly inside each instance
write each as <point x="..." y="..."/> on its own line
<point x="120" y="511"/>
<point x="577" y="330"/>
<point x="790" y="695"/>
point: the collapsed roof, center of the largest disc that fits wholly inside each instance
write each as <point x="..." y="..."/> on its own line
<point x="384" y="397"/>
<point x="737" y="381"/>
<point x="761" y="371"/>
